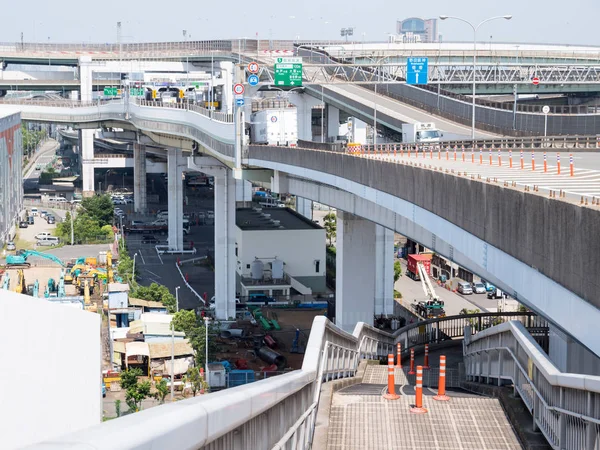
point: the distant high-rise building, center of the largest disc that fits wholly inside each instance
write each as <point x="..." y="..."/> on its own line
<point x="425" y="29"/>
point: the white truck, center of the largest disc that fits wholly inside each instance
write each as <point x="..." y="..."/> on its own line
<point x="277" y="126"/>
<point x="420" y="133"/>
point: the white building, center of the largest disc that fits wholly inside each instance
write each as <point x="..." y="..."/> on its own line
<point x="278" y="237"/>
<point x="11" y="174"/>
<point x="50" y="370"/>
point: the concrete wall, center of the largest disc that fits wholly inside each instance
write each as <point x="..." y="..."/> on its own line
<point x="50" y="370"/>
<point x="298" y="249"/>
<point x="11" y="176"/>
<point x="559" y="239"/>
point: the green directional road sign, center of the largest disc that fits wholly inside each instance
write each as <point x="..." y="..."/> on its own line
<point x="288" y="71"/>
<point x="136" y="92"/>
<point x="111" y="91"/>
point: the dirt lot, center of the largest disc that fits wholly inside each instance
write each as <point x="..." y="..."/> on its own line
<point x="289" y="320"/>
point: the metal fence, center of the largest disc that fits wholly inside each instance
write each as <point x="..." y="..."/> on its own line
<point x="565" y="406"/>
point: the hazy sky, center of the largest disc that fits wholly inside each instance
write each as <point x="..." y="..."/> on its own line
<point x="555" y="21"/>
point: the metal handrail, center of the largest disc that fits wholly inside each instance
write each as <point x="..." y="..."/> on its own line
<point x="563" y="405"/>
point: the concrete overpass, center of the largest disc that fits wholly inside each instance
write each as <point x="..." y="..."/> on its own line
<point x="510" y="238"/>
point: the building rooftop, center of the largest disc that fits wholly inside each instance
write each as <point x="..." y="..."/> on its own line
<point x="260" y="219"/>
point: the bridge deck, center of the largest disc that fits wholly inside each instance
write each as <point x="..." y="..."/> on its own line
<point x="360" y="418"/>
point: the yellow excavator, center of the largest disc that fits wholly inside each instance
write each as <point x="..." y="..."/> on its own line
<point x="84" y="279"/>
<point x="73" y="273"/>
<point x="109" y="269"/>
<point x="21" y="287"/>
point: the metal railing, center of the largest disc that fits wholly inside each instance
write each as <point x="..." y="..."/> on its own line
<point x="215" y="115"/>
<point x="565" y="406"/>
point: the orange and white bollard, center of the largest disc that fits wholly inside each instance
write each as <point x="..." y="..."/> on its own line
<point x="447" y="154"/>
<point x="399" y="355"/>
<point x="439" y="152"/>
<point x="418" y="408"/>
<point x="522" y="160"/>
<point x="462" y="151"/>
<point x="401" y="151"/>
<point x="571" y="168"/>
<point x="426" y="362"/>
<point x="490" y="152"/>
<point x="442" y="397"/>
<point x="558" y="163"/>
<point x="412" y="362"/>
<point x="533" y="161"/>
<point x="408" y="151"/>
<point x="499" y="157"/>
<point x="431" y="152"/>
<point x="395" y="154"/>
<point x="480" y="156"/>
<point x="510" y="158"/>
<point x="391" y="390"/>
<point x="472" y="155"/>
<point x="455" y="153"/>
<point x="545" y="163"/>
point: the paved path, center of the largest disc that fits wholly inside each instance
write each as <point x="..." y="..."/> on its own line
<point x="361" y="419"/>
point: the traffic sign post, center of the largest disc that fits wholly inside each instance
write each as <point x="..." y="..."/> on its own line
<point x="288" y="71"/>
<point x="545" y="110"/>
<point x="253" y="67"/>
<point x="239" y="101"/>
<point x="136" y="92"/>
<point x="253" y="80"/>
<point x="238" y="89"/>
<point x="535" y="81"/>
<point x="417" y="70"/>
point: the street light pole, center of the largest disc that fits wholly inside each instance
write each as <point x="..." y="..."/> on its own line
<point x="172" y="360"/>
<point x="475" y="28"/>
<point x="133" y="274"/>
<point x="177" y="297"/>
<point x="72" y="230"/>
<point x="206" y="320"/>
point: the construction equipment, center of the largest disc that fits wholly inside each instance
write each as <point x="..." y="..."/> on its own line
<point x="51" y="289"/>
<point x="21" y="259"/>
<point x="61" y="285"/>
<point x="86" y="278"/>
<point x="36" y="289"/>
<point x="110" y="272"/>
<point x="73" y="272"/>
<point x="6" y="282"/>
<point x="433" y="307"/>
<point x="20" y="288"/>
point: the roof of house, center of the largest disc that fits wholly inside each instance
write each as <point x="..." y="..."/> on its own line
<point x="145" y="303"/>
<point x="163" y="350"/>
<point x="257" y="219"/>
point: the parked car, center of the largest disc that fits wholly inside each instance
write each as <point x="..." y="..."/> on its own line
<point x="43" y="213"/>
<point x="10" y="245"/>
<point x="43" y="235"/>
<point x="488" y="286"/>
<point x="464" y="288"/>
<point x="478" y="288"/>
<point x="149" y="240"/>
<point x="34" y="211"/>
<point x="210" y="215"/>
<point x="50" y="219"/>
<point x="496" y="293"/>
<point x="23" y="224"/>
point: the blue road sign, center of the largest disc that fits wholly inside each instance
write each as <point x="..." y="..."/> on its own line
<point x="253" y="80"/>
<point x="239" y="101"/>
<point x="417" y="70"/>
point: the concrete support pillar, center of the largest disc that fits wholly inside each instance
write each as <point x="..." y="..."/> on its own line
<point x="139" y="178"/>
<point x="227" y="96"/>
<point x="384" y="271"/>
<point x="333" y="122"/>
<point x="225" y="260"/>
<point x="358" y="131"/>
<point x="243" y="191"/>
<point x="86" y="150"/>
<point x="355" y="271"/>
<point x="304" y="105"/>
<point x="304" y="207"/>
<point x="85" y="78"/>
<point x="175" y="163"/>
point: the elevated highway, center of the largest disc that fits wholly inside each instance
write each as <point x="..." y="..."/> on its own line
<point x="542" y="250"/>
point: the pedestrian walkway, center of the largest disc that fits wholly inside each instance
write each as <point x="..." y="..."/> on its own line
<point x="360" y="418"/>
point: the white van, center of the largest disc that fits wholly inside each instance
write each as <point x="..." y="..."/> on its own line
<point x="34" y="211"/>
<point x="48" y="241"/>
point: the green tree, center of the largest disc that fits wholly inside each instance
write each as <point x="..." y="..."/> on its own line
<point x="155" y="292"/>
<point x="100" y="208"/>
<point x="118" y="407"/>
<point x="330" y="225"/>
<point x="397" y="271"/>
<point x="125" y="267"/>
<point x="136" y="394"/>
<point x="162" y="390"/>
<point x="129" y="377"/>
<point x="195" y="379"/>
<point x="186" y="321"/>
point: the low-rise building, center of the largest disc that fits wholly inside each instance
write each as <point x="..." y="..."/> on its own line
<point x="279" y="253"/>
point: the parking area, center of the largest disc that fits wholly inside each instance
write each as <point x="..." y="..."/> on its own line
<point x="26" y="236"/>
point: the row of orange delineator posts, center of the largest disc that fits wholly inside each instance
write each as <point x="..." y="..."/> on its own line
<point x="391" y="390"/>
<point x="394" y="151"/>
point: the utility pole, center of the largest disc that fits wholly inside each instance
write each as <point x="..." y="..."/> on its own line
<point x="172" y="360"/>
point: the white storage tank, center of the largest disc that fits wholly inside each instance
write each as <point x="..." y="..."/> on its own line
<point x="277" y="269"/>
<point x="256" y="269"/>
